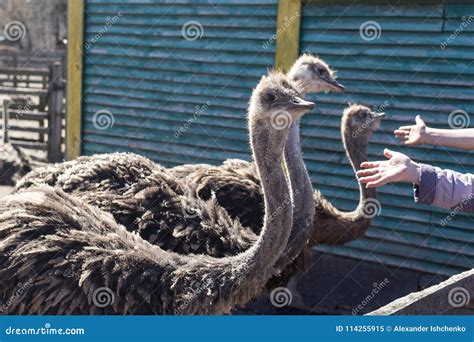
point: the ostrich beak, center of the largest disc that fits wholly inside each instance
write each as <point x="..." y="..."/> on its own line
<point x="335" y="86"/>
<point x="298" y="102"/>
<point x="379" y="115"/>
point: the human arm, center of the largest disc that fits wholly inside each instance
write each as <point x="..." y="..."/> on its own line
<point x="420" y="133"/>
<point x="432" y="185"/>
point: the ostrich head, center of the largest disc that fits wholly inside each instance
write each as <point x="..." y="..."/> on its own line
<point x="360" y="121"/>
<point x="313" y="75"/>
<point x="278" y="102"/>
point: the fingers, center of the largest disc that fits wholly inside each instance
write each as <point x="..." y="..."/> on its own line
<point x="419" y="120"/>
<point x="370" y="179"/>
<point x="399" y="132"/>
<point x="376" y="183"/>
<point x="388" y="153"/>
<point x="368" y="172"/>
<point x="369" y="165"/>
<point x="406" y="128"/>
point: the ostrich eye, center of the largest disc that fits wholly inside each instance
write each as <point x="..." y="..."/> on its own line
<point x="362" y="115"/>
<point x="270" y="97"/>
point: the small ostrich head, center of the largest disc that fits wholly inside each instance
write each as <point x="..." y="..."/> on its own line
<point x="360" y="121"/>
<point x="313" y="75"/>
<point x="277" y="101"/>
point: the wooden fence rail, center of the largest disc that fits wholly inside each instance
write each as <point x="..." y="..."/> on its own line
<point x="39" y="124"/>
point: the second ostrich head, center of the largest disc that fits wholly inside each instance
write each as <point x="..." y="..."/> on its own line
<point x="313" y="75"/>
<point x="358" y="124"/>
<point x="360" y="121"/>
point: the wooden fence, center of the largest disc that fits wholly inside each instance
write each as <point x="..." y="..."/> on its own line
<point x="33" y="109"/>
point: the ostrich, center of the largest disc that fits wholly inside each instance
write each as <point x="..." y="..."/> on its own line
<point x="143" y="197"/>
<point x="99" y="180"/>
<point x="14" y="164"/>
<point x="45" y="233"/>
<point x="332" y="226"/>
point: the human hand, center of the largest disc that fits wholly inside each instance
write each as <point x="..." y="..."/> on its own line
<point x="398" y="168"/>
<point x="413" y="135"/>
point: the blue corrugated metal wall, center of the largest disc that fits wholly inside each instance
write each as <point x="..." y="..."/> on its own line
<point x="184" y="101"/>
<point x="408" y="72"/>
<point x="173" y="99"/>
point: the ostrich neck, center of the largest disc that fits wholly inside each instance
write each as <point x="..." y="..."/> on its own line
<point x="255" y="265"/>
<point x="356" y="145"/>
<point x="302" y="194"/>
<point x="278" y="207"/>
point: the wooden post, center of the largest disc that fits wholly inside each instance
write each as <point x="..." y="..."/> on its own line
<point x="6" y="104"/>
<point x="288" y="34"/>
<point x="75" y="32"/>
<point x="55" y="116"/>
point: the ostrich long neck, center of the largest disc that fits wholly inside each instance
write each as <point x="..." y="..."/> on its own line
<point x="244" y="275"/>
<point x="356" y="146"/>
<point x="332" y="226"/>
<point x="278" y="207"/>
<point x="302" y="191"/>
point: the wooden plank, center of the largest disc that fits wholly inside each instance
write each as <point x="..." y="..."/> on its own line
<point x="31" y="145"/>
<point x="75" y="26"/>
<point x="451" y="296"/>
<point x="25" y="71"/>
<point x="288" y="33"/>
<point x="22" y="91"/>
<point x="55" y="106"/>
<point x="5" y="118"/>
<point x="28" y="129"/>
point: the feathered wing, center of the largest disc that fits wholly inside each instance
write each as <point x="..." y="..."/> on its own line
<point x="146" y="199"/>
<point x="14" y="164"/>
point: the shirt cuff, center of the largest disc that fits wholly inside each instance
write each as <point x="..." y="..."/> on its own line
<point x="425" y="192"/>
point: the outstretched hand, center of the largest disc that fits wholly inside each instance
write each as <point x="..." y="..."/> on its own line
<point x="413" y="135"/>
<point x="398" y="168"/>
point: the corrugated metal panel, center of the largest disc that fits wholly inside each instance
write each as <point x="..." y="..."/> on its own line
<point x="174" y="100"/>
<point x="406" y="69"/>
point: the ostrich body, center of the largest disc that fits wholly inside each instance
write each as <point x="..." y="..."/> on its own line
<point x="44" y="233"/>
<point x="143" y="197"/>
<point x="14" y="164"/>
